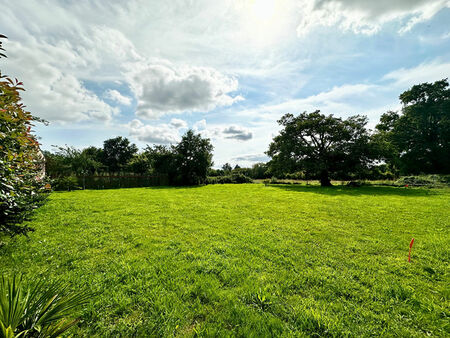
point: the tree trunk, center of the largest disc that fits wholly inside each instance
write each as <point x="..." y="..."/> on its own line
<point x="324" y="179"/>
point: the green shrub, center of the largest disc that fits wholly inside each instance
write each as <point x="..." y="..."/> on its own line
<point x="21" y="162"/>
<point x="234" y="178"/>
<point x="65" y="183"/>
<point x="38" y="310"/>
<point x="431" y="181"/>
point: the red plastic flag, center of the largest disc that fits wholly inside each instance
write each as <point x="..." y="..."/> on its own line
<point x="410" y="247"/>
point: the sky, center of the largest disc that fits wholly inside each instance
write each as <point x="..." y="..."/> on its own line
<point x="229" y="69"/>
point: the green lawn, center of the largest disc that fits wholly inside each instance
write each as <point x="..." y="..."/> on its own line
<point x="247" y="260"/>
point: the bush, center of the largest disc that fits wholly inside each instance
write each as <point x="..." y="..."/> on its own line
<point x="299" y="175"/>
<point x="65" y="183"/>
<point x="424" y="181"/>
<point x="21" y="162"/>
<point x="235" y="178"/>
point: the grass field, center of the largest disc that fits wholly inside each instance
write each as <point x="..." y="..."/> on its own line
<point x="247" y="260"/>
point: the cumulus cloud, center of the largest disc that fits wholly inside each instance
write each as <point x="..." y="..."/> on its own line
<point x="159" y="134"/>
<point x="116" y="96"/>
<point x="177" y="123"/>
<point x="164" y="88"/>
<point x="237" y="133"/>
<point x="55" y="68"/>
<point x="53" y="91"/>
<point x="366" y="16"/>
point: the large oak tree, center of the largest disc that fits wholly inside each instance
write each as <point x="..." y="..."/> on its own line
<point x="322" y="146"/>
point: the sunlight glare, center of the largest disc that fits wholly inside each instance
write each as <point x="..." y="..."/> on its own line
<point x="263" y="9"/>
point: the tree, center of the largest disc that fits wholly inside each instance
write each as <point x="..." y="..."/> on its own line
<point x="21" y="162"/>
<point x="227" y="168"/>
<point x="140" y="164"/>
<point x="418" y="139"/>
<point x="117" y="152"/>
<point x="193" y="158"/>
<point x="162" y="160"/>
<point x="321" y="146"/>
<point x="259" y="171"/>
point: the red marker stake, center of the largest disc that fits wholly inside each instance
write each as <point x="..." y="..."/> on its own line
<point x="410" y="247"/>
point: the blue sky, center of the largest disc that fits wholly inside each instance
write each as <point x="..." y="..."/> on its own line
<point x="148" y="70"/>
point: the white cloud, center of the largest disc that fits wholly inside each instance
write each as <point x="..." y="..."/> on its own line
<point x="200" y="125"/>
<point x="237" y="133"/>
<point x="159" y="134"/>
<point x="177" y="123"/>
<point x="53" y="91"/>
<point x="164" y="88"/>
<point x="340" y="100"/>
<point x="425" y="72"/>
<point x="116" y="96"/>
<point x="219" y="132"/>
<point x="366" y="16"/>
<point x="253" y="158"/>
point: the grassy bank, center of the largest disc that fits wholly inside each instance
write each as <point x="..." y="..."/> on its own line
<point x="247" y="260"/>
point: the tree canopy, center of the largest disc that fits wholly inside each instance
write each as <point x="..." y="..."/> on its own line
<point x="117" y="152"/>
<point x="417" y="140"/>
<point x="193" y="158"/>
<point x="322" y="146"/>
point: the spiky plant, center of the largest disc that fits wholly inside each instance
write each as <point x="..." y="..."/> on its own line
<point x="36" y="311"/>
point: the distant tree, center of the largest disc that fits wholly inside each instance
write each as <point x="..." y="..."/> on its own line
<point x="56" y="165"/>
<point x="321" y="146"/>
<point x="259" y="171"/>
<point x="95" y="154"/>
<point x="117" y="152"/>
<point x="215" y="172"/>
<point x="418" y="139"/>
<point x="162" y="160"/>
<point x="383" y="145"/>
<point x="237" y="167"/>
<point x="227" y="168"/>
<point x="193" y="158"/>
<point x="140" y="164"/>
<point x="81" y="162"/>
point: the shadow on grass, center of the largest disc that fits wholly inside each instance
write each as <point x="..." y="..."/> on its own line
<point x="357" y="191"/>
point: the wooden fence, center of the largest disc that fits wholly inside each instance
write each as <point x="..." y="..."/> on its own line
<point x="121" y="180"/>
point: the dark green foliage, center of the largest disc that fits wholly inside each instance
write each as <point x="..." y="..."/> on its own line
<point x="140" y="164"/>
<point x="186" y="163"/>
<point x="65" y="183"/>
<point x="117" y="152"/>
<point x="260" y="171"/>
<point x="235" y="178"/>
<point x="38" y="310"/>
<point x="321" y="146"/>
<point x="418" y="140"/>
<point x="162" y="161"/>
<point x="227" y="168"/>
<point x="193" y="159"/>
<point x="21" y="162"/>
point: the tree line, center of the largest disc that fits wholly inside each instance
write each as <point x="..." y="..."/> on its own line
<point x="185" y="163"/>
<point x="414" y="141"/>
<point x="309" y="146"/>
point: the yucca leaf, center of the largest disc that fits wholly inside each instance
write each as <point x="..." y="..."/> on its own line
<point x="38" y="310"/>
